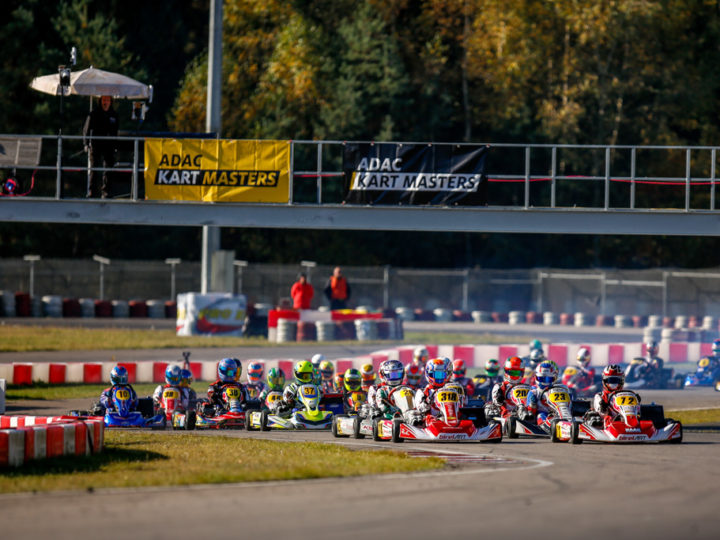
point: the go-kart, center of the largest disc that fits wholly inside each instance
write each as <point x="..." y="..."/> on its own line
<point x="367" y="421"/>
<point x="483" y="388"/>
<point x="307" y="416"/>
<point x="707" y="374"/>
<point x="580" y="384"/>
<point x="230" y="415"/>
<point x="643" y="373"/>
<point x="561" y="415"/>
<point x="122" y="414"/>
<point x="632" y="423"/>
<point x="451" y="424"/>
<point x="344" y="424"/>
<point x="175" y="412"/>
<point x="508" y="413"/>
<point x="254" y="417"/>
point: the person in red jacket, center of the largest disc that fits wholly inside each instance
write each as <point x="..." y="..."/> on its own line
<point x="302" y="293"/>
<point x="337" y="290"/>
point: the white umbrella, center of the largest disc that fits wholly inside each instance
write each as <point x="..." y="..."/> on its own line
<point x="94" y="82"/>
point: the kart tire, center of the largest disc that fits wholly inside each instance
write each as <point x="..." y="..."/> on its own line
<point x="575" y="433"/>
<point x="264" y="421"/>
<point x="356" y="429"/>
<point x="334" y="426"/>
<point x="376" y="434"/>
<point x="553" y="431"/>
<point x="396" y="438"/>
<point x="679" y="382"/>
<point x="173" y="420"/>
<point x="510" y="428"/>
<point x="190" y="420"/>
<point x="248" y="414"/>
<point x="680" y="438"/>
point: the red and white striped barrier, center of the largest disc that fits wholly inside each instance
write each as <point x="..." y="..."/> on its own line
<point x="24" y="438"/>
<point x="474" y="356"/>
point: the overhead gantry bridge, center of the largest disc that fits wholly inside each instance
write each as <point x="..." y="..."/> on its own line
<point x="557" y="189"/>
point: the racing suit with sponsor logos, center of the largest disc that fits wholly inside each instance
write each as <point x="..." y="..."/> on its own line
<point x="500" y="398"/>
<point x="106" y="397"/>
<point x="290" y="397"/>
<point x="254" y="390"/>
<point x="601" y="403"/>
<point x="215" y="393"/>
<point x="537" y="405"/>
<point x="183" y="391"/>
<point x="425" y="400"/>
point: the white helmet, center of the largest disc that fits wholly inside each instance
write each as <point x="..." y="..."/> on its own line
<point x="583" y="357"/>
<point x="315" y="360"/>
<point x="420" y="356"/>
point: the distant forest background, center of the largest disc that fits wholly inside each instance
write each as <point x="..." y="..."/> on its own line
<point x="542" y="71"/>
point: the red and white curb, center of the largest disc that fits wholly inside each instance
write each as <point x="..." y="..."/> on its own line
<point x="25" y="438"/>
<point x="473" y="355"/>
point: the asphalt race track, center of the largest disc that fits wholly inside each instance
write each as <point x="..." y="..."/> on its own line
<point x="516" y="489"/>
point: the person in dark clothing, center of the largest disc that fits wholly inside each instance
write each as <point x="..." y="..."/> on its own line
<point x="101" y="122"/>
<point x="337" y="290"/>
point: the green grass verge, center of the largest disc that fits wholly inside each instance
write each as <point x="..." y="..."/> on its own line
<point x="700" y="416"/>
<point x="136" y="459"/>
<point x="22" y="338"/>
<point x="46" y="391"/>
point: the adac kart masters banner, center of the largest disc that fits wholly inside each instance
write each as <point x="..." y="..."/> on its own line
<point x="217" y="170"/>
<point x="389" y="173"/>
<point x="210" y="314"/>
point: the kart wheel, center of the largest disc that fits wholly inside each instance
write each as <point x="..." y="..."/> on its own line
<point x="264" y="421"/>
<point x="680" y="438"/>
<point x="553" y="431"/>
<point x="248" y="415"/>
<point x="679" y="382"/>
<point x="356" y="428"/>
<point x="396" y="431"/>
<point x="190" y="420"/>
<point x="575" y="433"/>
<point x="376" y="434"/>
<point x="334" y="427"/>
<point x="510" y="428"/>
<point x="174" y="421"/>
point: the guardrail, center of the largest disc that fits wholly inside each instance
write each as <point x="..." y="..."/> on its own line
<point x="523" y="176"/>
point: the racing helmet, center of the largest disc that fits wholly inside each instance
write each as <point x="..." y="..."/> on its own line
<point x="186" y="378"/>
<point x="316" y="376"/>
<point x="303" y="372"/>
<point x="492" y="367"/>
<point x="228" y="370"/>
<point x="513" y="370"/>
<point x="716" y="347"/>
<point x="392" y="372"/>
<point x="545" y="375"/>
<point x="613" y="378"/>
<point x="339" y="380"/>
<point x="327" y="370"/>
<point x="351" y="380"/>
<point x="536" y="356"/>
<point x="437" y="371"/>
<point x="317" y="359"/>
<point x="413" y="374"/>
<point x="368" y="375"/>
<point x="420" y="356"/>
<point x="275" y="378"/>
<point x="583" y="357"/>
<point x="535" y="345"/>
<point x="173" y="375"/>
<point x="458" y="369"/>
<point x="255" y="372"/>
<point x="119" y="375"/>
<point x="651" y="348"/>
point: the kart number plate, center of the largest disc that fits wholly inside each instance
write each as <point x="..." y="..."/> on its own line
<point x="705" y="362"/>
<point x="520" y="393"/>
<point x="625" y="400"/>
<point x="447" y="397"/>
<point x="570" y="371"/>
<point x="232" y="393"/>
<point x="309" y="391"/>
<point x="559" y="397"/>
<point x="171" y="394"/>
<point x="272" y="398"/>
<point x="406" y="393"/>
<point x="122" y="394"/>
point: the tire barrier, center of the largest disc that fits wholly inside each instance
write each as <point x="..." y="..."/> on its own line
<point x="52" y="306"/>
<point x="87" y="307"/>
<point x="27" y="438"/>
<point x="549" y="318"/>
<point x="120" y="309"/>
<point x="7" y="304"/>
<point x="366" y="329"/>
<point x="23" y="305"/>
<point x="516" y="317"/>
<point x="155" y="309"/>
<point x="442" y="315"/>
<point x="406" y="314"/>
<point x="325" y="330"/>
<point x="71" y="307"/>
<point x="286" y="330"/>
<point x="306" y="331"/>
<point x="622" y="321"/>
<point x="138" y="309"/>
<point x="480" y="316"/>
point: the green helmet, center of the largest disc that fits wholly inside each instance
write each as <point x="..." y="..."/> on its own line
<point x="492" y="367"/>
<point x="275" y="378"/>
<point x="535" y="344"/>
<point x="303" y="372"/>
<point x="352" y="380"/>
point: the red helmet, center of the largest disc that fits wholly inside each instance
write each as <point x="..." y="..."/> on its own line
<point x="459" y="369"/>
<point x="613" y="378"/>
<point x="413" y="373"/>
<point x="583" y="357"/>
<point x="513" y="370"/>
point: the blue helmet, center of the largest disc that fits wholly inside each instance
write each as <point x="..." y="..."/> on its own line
<point x="545" y="375"/>
<point x="186" y="377"/>
<point x="392" y="372"/>
<point x="437" y="371"/>
<point x="173" y="375"/>
<point x="119" y="375"/>
<point x="229" y="370"/>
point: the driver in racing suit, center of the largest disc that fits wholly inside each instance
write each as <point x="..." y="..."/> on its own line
<point x="352" y="389"/>
<point x="327" y="372"/>
<point x="391" y="376"/>
<point x="304" y="374"/>
<point x="613" y="381"/>
<point x="458" y="376"/>
<point x="413" y="376"/>
<point x="255" y="385"/>
<point x="173" y="379"/>
<point x="437" y="372"/>
<point x="500" y="403"/>
<point x="275" y="383"/>
<point x="118" y="378"/>
<point x="536" y="405"/>
<point x="229" y="370"/>
<point x="586" y="376"/>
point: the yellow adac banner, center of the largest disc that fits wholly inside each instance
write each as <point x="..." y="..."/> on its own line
<point x="217" y="170"/>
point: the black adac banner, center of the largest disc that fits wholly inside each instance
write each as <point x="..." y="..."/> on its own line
<point x="394" y="173"/>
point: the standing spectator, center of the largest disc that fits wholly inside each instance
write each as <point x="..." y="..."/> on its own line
<point x="101" y="122"/>
<point x="337" y="290"/>
<point x="302" y="293"/>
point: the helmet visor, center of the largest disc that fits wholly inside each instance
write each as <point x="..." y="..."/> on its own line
<point x="613" y="381"/>
<point x="546" y="380"/>
<point x="515" y="373"/>
<point x="304" y="376"/>
<point x="438" y="375"/>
